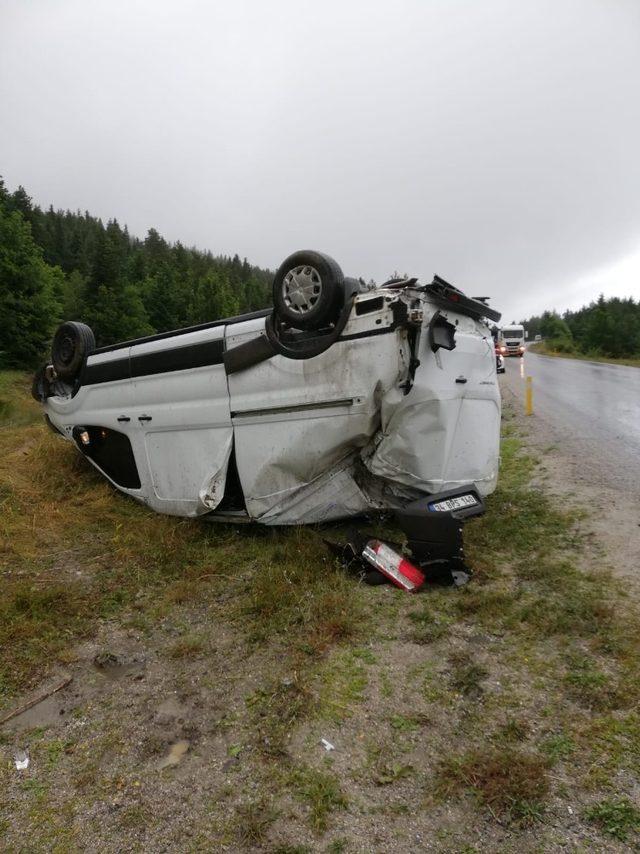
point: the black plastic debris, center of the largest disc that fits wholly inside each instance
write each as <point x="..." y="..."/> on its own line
<point x="433" y="527"/>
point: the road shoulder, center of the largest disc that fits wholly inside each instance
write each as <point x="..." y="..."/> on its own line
<point x="610" y="518"/>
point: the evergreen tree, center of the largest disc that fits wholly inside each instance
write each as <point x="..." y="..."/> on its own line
<point x="124" y="287"/>
<point x="29" y="294"/>
<point x="606" y="327"/>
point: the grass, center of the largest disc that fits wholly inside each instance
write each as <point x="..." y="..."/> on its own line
<point x="427" y="626"/>
<point x="467" y="675"/>
<point x="341" y="686"/>
<point x="288" y="597"/>
<point x="618" y="818"/>
<point x="545" y="349"/>
<point x="320" y="791"/>
<point x="557" y="747"/>
<point x="72" y="552"/>
<point x="188" y="646"/>
<point x="253" y="821"/>
<point x="498" y="697"/>
<point x="514" y="729"/>
<point x="511" y="783"/>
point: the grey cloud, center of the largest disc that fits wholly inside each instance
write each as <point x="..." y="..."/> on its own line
<point x="495" y="142"/>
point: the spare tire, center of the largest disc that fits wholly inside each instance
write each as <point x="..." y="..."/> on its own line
<point x="72" y="343"/>
<point x="308" y="290"/>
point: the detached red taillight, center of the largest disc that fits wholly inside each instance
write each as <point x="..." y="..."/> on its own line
<point x="396" y="568"/>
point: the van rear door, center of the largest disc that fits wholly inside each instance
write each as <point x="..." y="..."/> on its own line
<point x="445" y="433"/>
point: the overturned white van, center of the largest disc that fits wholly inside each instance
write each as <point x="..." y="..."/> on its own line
<point x="338" y="401"/>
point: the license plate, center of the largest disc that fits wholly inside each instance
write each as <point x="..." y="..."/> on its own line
<point x="457" y="503"/>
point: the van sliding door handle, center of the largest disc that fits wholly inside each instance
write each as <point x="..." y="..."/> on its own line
<point x="124" y="418"/>
<point x="144" y="418"/>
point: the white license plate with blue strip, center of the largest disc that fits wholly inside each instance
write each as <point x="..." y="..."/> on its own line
<point x="459" y="502"/>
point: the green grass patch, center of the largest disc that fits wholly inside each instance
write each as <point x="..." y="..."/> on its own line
<point x="17" y="407"/>
<point x="341" y="686"/>
<point x="428" y="626"/>
<point x="320" y="791"/>
<point x="557" y="747"/>
<point x="290" y="595"/>
<point x="406" y="723"/>
<point x="73" y="551"/>
<point x="276" y="709"/>
<point x="618" y="818"/>
<point x="514" y="729"/>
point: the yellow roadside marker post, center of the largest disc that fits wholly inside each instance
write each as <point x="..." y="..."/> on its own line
<point x="528" y="397"/>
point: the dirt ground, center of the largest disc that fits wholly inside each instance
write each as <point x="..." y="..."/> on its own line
<point x="454" y="721"/>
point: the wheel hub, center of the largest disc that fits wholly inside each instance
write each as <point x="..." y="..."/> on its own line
<point x="301" y="289"/>
<point x="66" y="349"/>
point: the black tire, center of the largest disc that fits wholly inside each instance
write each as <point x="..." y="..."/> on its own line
<point x="72" y="343"/>
<point x="308" y="290"/>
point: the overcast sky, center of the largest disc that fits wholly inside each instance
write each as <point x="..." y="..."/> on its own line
<point x="495" y="142"/>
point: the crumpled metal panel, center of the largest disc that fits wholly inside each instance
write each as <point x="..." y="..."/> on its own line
<point x="333" y="495"/>
<point x="296" y="421"/>
<point x="376" y="447"/>
<point x="445" y="432"/>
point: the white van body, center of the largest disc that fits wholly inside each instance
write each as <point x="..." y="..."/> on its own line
<point x="302" y="439"/>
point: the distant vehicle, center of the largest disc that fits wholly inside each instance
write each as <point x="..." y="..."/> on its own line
<point x="335" y="402"/>
<point x="538" y="338"/>
<point x="500" y="367"/>
<point x="511" y="340"/>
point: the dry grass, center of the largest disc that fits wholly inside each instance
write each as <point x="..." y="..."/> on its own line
<point x="512" y="783"/>
<point x="253" y="820"/>
<point x="73" y="551"/>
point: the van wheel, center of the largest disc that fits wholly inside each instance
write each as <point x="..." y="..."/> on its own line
<point x="72" y="343"/>
<point x="308" y="290"/>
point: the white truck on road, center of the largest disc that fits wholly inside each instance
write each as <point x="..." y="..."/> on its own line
<point x="512" y="340"/>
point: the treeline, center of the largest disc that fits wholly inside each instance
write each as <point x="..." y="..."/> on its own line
<point x="58" y="265"/>
<point x="606" y="327"/>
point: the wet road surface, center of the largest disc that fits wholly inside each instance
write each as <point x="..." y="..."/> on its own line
<point x="591" y="408"/>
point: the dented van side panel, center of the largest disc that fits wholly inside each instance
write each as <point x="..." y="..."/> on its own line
<point x="299" y="424"/>
<point x="445" y="432"/>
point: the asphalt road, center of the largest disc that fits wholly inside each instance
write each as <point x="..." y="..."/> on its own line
<point x="591" y="408"/>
